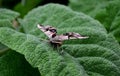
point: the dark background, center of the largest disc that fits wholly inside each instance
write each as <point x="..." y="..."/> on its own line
<point x="23" y="6"/>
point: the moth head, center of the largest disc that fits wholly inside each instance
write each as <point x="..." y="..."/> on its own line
<point x="47" y="28"/>
<point x="51" y="29"/>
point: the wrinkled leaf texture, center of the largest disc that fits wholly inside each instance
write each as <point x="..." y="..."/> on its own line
<point x="96" y="56"/>
<point x="111" y="18"/>
<point x="6" y="18"/>
<point x="106" y="11"/>
<point x="11" y="62"/>
<point x="90" y="7"/>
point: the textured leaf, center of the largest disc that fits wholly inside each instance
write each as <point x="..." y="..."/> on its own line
<point x="6" y="20"/>
<point x="112" y="19"/>
<point x="96" y="56"/>
<point x="106" y="11"/>
<point x="14" y="64"/>
<point x="40" y="55"/>
<point x="8" y="14"/>
<point x="7" y="17"/>
<point x="90" y="7"/>
<point x="5" y="23"/>
<point x="65" y="21"/>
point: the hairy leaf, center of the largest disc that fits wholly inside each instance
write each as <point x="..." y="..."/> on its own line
<point x="40" y="55"/>
<point x="90" y="7"/>
<point x="8" y="14"/>
<point x="65" y="21"/>
<point x="7" y="17"/>
<point x="112" y="19"/>
<point x="96" y="56"/>
<point x="106" y="11"/>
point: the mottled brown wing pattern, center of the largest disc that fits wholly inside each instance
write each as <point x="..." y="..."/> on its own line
<point x="51" y="32"/>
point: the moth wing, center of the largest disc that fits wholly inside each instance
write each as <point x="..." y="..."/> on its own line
<point x="43" y="29"/>
<point x="81" y="37"/>
<point x="73" y="35"/>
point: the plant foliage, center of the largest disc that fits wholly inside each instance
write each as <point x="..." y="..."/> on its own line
<point x="106" y="11"/>
<point x="99" y="55"/>
<point x="14" y="64"/>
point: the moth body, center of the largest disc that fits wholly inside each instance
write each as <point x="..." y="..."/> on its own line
<point x="57" y="40"/>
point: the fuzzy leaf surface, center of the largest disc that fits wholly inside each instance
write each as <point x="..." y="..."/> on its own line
<point x="112" y="19"/>
<point x="8" y="14"/>
<point x="6" y="20"/>
<point x="90" y="7"/>
<point x="80" y="57"/>
<point x="106" y="11"/>
<point x="7" y="17"/>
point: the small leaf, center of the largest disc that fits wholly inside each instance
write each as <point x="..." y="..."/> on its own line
<point x="7" y="17"/>
<point x="8" y="14"/>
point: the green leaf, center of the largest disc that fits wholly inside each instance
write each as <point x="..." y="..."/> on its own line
<point x="8" y="14"/>
<point x="112" y="19"/>
<point x="5" y="23"/>
<point x="40" y="55"/>
<point x="6" y="20"/>
<point x="90" y="7"/>
<point x="14" y="64"/>
<point x="99" y="55"/>
<point x="65" y="20"/>
<point x="26" y="5"/>
<point x="106" y="11"/>
<point x="7" y="17"/>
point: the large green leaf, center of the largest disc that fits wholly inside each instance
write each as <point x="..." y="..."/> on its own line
<point x="40" y="55"/>
<point x="96" y="56"/>
<point x="90" y="7"/>
<point x="106" y="11"/>
<point x="14" y="64"/>
<point x="112" y="18"/>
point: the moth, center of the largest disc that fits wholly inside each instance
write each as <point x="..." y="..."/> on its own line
<point x="57" y="40"/>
